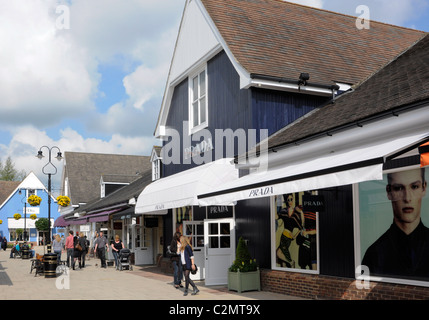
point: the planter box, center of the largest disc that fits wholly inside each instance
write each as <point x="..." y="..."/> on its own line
<point x="244" y="281"/>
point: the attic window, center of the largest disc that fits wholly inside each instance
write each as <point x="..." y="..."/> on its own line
<point x="156" y="169"/>
<point x="198" y="101"/>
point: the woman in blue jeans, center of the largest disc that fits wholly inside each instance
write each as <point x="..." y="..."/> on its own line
<point x="175" y="260"/>
<point x="57" y="246"/>
<point x="117" y="246"/>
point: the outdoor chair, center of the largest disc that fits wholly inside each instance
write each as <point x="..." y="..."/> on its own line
<point x="37" y="264"/>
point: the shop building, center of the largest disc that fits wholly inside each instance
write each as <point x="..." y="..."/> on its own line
<point x="13" y="200"/>
<point x="92" y="181"/>
<point x="248" y="71"/>
<point x="349" y="212"/>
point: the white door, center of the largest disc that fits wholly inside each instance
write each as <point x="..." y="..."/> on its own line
<point x="195" y="231"/>
<point x="143" y="245"/>
<point x="219" y="239"/>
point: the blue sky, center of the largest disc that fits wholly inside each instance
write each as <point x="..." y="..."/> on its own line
<point x="89" y="75"/>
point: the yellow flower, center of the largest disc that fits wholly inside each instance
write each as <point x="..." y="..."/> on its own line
<point x="16" y="216"/>
<point x="34" y="200"/>
<point x="63" y="201"/>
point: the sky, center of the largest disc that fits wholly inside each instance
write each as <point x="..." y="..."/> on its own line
<point x="89" y="75"/>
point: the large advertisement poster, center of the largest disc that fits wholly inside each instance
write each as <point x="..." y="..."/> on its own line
<point x="296" y="233"/>
<point x="394" y="215"/>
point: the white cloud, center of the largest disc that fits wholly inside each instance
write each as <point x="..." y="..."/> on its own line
<point x="48" y="74"/>
<point x="310" y="3"/>
<point x="145" y="83"/>
<point x="396" y="12"/>
<point x="27" y="140"/>
<point x="44" y="76"/>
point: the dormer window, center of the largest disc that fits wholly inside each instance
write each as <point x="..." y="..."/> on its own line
<point x="155" y="159"/>
<point x="156" y="169"/>
<point x="198" y="109"/>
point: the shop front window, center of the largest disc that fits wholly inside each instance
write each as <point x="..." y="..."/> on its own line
<point x="393" y="219"/>
<point x="183" y="214"/>
<point x="295" y="228"/>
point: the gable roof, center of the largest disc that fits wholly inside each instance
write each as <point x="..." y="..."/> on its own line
<point x="402" y="84"/>
<point x="6" y="189"/>
<point x="276" y="41"/>
<point x="119" y="197"/>
<point x="282" y="39"/>
<point x="84" y="171"/>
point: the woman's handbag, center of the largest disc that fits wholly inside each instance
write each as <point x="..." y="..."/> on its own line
<point x="194" y="271"/>
<point x="78" y="246"/>
<point x="171" y="254"/>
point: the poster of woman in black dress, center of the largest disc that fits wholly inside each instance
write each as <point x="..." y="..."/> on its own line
<point x="296" y="245"/>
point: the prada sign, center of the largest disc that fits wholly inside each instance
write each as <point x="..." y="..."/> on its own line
<point x="218" y="212"/>
<point x="313" y="203"/>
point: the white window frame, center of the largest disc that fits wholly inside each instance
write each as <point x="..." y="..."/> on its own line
<point x="201" y="124"/>
<point x="156" y="172"/>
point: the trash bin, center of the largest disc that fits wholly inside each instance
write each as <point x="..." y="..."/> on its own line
<point x="50" y="264"/>
<point x="25" y="252"/>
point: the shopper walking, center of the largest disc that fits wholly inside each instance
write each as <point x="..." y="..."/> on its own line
<point x="58" y="247"/>
<point x="70" y="248"/>
<point x="175" y="260"/>
<point x="100" y="244"/>
<point x="4" y="244"/>
<point x="188" y="263"/>
<point x="117" y="245"/>
<point x="77" y="250"/>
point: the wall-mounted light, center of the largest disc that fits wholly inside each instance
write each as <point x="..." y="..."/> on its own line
<point x="303" y="78"/>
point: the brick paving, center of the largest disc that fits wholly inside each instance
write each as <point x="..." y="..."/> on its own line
<point x="93" y="282"/>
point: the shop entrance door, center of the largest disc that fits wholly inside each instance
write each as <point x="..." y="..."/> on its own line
<point x="195" y="231"/>
<point x="219" y="239"/>
<point x="143" y="245"/>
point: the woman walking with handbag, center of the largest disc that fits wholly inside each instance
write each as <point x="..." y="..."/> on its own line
<point x="174" y="252"/>
<point x="77" y="252"/>
<point x="188" y="263"/>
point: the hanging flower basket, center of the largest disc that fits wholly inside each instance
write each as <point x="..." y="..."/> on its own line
<point x="1" y="221"/>
<point x="17" y="216"/>
<point x="33" y="216"/>
<point x="63" y="201"/>
<point x="34" y="200"/>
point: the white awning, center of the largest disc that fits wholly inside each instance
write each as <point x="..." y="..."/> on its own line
<point x="181" y="189"/>
<point x="342" y="167"/>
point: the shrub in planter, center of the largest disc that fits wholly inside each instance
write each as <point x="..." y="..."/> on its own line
<point x="243" y="274"/>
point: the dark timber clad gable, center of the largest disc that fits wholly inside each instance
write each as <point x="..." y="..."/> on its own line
<point x="233" y="108"/>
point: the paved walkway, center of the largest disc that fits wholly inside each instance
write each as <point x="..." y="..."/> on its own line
<point x="92" y="282"/>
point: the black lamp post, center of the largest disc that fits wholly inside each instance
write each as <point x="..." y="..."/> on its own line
<point x="25" y="212"/>
<point x="50" y="172"/>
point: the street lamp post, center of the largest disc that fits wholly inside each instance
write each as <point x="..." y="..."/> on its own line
<point x="46" y="171"/>
<point x="25" y="212"/>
